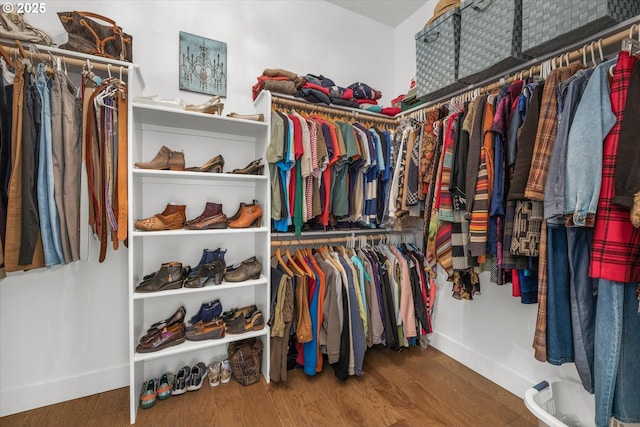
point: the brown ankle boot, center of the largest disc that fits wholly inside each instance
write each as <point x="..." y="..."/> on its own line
<point x="165" y="159"/>
<point x="210" y="210"/>
<point x="250" y="215"/>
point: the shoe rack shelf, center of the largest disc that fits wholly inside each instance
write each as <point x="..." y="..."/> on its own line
<point x="193" y="346"/>
<point x="262" y="281"/>
<point x="183" y="232"/>
<point x="200" y="137"/>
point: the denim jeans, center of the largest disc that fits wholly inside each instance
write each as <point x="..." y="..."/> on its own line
<point x="583" y="302"/>
<point x="617" y="351"/>
<point x="49" y="220"/>
<point x="559" y="333"/>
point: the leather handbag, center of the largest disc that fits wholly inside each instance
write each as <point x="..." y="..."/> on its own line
<point x="88" y="36"/>
<point x="13" y="26"/>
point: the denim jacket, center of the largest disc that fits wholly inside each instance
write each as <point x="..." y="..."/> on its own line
<point x="583" y="171"/>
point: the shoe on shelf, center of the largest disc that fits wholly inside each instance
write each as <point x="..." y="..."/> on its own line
<point x="250" y="215"/>
<point x="207" y="258"/>
<point x="183" y="377"/>
<point x="255" y="117"/>
<point x="149" y="394"/>
<point x="170" y="276"/>
<point x="198" y="373"/>
<point x="243" y="324"/>
<point x="206" y="331"/>
<point x="162" y="338"/>
<point x="162" y="221"/>
<point x="210" y="209"/>
<point x="248" y="269"/>
<point x="208" y="312"/>
<point x="165" y="159"/>
<point x="213" y="371"/>
<point x="211" y="218"/>
<point x="211" y="106"/>
<point x="214" y="164"/>
<point x="225" y="371"/>
<point x="211" y="271"/>
<point x="253" y="168"/>
<point x="239" y="211"/>
<point x="245" y="312"/>
<point x="177" y="317"/>
<point x="165" y="385"/>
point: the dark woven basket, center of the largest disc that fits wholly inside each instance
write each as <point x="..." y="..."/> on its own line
<point x="437" y="49"/>
<point x="490" y="38"/>
<point x="245" y="357"/>
<point x="548" y="25"/>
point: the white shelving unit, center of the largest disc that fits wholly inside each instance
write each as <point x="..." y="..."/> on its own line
<point x="201" y="137"/>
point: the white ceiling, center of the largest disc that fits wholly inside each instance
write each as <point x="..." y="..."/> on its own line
<point x="389" y="12"/>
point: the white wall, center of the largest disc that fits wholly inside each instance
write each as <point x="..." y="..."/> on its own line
<point x="63" y="332"/>
<point x="405" y="46"/>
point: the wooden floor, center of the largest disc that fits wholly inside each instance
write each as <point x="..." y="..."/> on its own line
<point x="412" y="388"/>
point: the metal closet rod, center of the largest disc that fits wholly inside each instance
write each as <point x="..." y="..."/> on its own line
<point x="347" y="113"/>
<point x="339" y="239"/>
<point x="43" y="53"/>
<point x="573" y="55"/>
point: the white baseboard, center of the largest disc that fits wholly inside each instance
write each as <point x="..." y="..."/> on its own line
<point x="506" y="378"/>
<point x="33" y="396"/>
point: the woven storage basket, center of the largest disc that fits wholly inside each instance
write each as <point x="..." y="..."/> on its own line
<point x="245" y="357"/>
<point x="548" y="25"/>
<point x="490" y="38"/>
<point x="437" y="49"/>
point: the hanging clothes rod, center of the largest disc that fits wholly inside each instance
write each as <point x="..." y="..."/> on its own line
<point x="76" y="59"/>
<point x="530" y="69"/>
<point x="330" y="240"/>
<point x="283" y="102"/>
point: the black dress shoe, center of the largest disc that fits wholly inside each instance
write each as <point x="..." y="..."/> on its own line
<point x="170" y="276"/>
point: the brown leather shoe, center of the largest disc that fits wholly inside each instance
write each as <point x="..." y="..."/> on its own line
<point x="249" y="269"/>
<point x="250" y="215"/>
<point x="253" y="168"/>
<point x="170" y="276"/>
<point x="167" y="337"/>
<point x="158" y="222"/>
<point x="209" y="223"/>
<point x="214" y="164"/>
<point x="239" y="211"/>
<point x="210" y="209"/>
<point x="165" y="159"/>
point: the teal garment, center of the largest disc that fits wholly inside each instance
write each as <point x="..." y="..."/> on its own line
<point x="349" y="140"/>
<point x="363" y="275"/>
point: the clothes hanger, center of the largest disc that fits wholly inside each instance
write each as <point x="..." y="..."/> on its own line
<point x="7" y="57"/>
<point x="278" y="256"/>
<point x="293" y="264"/>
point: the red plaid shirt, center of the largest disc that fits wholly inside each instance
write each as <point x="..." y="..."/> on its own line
<point x="616" y="243"/>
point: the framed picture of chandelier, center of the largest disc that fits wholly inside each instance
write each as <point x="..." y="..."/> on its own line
<point x="203" y="65"/>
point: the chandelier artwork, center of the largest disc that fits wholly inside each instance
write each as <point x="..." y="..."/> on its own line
<point x="203" y="65"/>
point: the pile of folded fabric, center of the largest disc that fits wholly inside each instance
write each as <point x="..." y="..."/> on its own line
<point x="319" y="89"/>
<point x="279" y="81"/>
